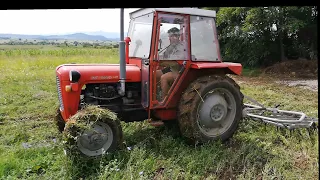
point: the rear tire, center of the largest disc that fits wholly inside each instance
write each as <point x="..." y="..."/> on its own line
<point x="209" y="105"/>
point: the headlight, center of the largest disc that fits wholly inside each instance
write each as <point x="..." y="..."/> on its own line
<point x="74" y="76"/>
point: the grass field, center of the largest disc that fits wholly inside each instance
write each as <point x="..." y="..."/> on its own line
<point x="31" y="147"/>
<point x="27" y="47"/>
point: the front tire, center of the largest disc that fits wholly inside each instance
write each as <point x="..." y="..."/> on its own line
<point x="92" y="135"/>
<point x="59" y="122"/>
<point x="210" y="109"/>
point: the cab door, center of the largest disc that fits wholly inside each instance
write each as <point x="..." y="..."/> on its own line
<point x="170" y="55"/>
<point x="145" y="82"/>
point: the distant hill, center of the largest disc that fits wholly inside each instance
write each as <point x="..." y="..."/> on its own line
<point x="109" y="35"/>
<point x="101" y="36"/>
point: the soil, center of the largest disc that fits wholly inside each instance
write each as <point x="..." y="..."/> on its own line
<point x="306" y="84"/>
<point x="301" y="161"/>
<point x="300" y="72"/>
<point x="300" y="68"/>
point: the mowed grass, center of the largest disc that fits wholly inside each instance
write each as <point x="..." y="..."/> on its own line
<point x="31" y="147"/>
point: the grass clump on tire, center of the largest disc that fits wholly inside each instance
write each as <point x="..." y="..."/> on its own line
<point x="210" y="109"/>
<point x="92" y="132"/>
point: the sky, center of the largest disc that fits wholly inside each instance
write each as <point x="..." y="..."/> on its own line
<point x="46" y="22"/>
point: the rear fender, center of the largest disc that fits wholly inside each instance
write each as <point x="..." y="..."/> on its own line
<point x="232" y="68"/>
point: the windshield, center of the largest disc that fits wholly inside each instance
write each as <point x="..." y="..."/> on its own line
<point x="173" y="42"/>
<point x="140" y="32"/>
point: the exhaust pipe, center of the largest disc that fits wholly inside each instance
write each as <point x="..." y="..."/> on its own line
<point x="122" y="55"/>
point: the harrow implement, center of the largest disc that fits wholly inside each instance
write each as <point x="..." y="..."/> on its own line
<point x="280" y="118"/>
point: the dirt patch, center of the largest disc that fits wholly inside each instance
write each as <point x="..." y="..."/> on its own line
<point x="301" y="72"/>
<point x="260" y="80"/>
<point x="301" y="161"/>
<point x="300" y="68"/>
<point x="306" y="84"/>
<point x="41" y="95"/>
<point x="227" y="174"/>
<point x="309" y="84"/>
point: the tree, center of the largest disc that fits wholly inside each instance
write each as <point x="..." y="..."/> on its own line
<point x="258" y="36"/>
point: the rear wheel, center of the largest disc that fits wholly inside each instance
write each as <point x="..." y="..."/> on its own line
<point x="210" y="109"/>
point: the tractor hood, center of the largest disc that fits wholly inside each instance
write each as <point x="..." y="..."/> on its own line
<point x="99" y="72"/>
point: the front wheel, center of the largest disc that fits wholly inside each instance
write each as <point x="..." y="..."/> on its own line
<point x="92" y="133"/>
<point x="59" y="122"/>
<point x="210" y="109"/>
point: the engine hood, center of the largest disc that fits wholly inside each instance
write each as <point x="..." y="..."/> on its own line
<point x="99" y="72"/>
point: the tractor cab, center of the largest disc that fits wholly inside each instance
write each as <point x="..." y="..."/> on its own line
<point x="167" y="40"/>
<point x="196" y="32"/>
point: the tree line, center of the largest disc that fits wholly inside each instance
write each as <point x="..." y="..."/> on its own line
<point x="261" y="36"/>
<point x="98" y="45"/>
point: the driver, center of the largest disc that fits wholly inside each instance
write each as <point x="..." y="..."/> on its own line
<point x="174" y="51"/>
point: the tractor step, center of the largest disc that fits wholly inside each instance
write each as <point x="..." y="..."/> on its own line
<point x="155" y="123"/>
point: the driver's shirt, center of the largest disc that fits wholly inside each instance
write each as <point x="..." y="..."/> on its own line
<point x="174" y="52"/>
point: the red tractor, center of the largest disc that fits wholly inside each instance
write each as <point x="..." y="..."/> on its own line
<point x="170" y="69"/>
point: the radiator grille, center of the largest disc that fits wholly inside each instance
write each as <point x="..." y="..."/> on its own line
<point x="59" y="93"/>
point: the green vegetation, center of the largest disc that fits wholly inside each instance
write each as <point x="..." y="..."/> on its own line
<point x="251" y="72"/>
<point x="262" y="36"/>
<point x="56" y="52"/>
<point x="31" y="147"/>
<point x="14" y="43"/>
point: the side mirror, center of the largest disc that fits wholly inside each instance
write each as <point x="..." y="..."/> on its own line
<point x="138" y="42"/>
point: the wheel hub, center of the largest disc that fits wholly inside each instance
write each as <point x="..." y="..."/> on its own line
<point x="92" y="140"/>
<point x="96" y="140"/>
<point x="212" y="110"/>
<point x="218" y="112"/>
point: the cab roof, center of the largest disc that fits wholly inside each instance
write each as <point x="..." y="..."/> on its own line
<point x="190" y="11"/>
